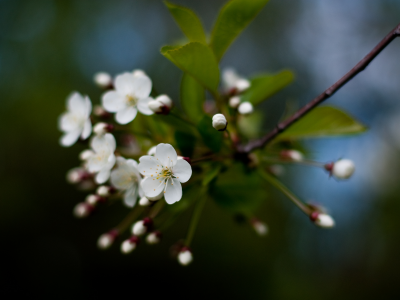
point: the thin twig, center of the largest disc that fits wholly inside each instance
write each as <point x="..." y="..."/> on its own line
<point x="325" y="95"/>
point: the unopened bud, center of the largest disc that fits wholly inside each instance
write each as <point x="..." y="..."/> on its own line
<point x="107" y="239"/>
<point x="153" y="238"/>
<point x="219" y="122"/>
<point x="130" y="244"/>
<point x="142" y="226"/>
<point x="94" y="199"/>
<point x="99" y="111"/>
<point x="260" y="227"/>
<point x="322" y="220"/>
<point x="343" y="169"/>
<point x="103" y="80"/>
<point x="105" y="191"/>
<point x="242" y="85"/>
<point x="161" y="105"/>
<point x="185" y="256"/>
<point x="82" y="210"/>
<point x="293" y="155"/>
<point x="138" y="73"/>
<point x="245" y="108"/>
<point x="77" y="175"/>
<point x="234" y="102"/>
<point x="85" y="154"/>
<point x="102" y="128"/>
<point x="144" y="201"/>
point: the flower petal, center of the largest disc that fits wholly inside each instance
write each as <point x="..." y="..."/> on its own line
<point x="70" y="138"/>
<point x="173" y="192"/>
<point x="143" y="106"/>
<point x="124" y="84"/>
<point x="130" y="198"/>
<point x="110" y="141"/>
<point x="121" y="179"/>
<point x="182" y="170"/>
<point x="103" y="143"/>
<point x="87" y="130"/>
<point x="88" y="106"/>
<point x="102" y="176"/>
<point x="126" y="115"/>
<point x="149" y="166"/>
<point x="166" y="154"/>
<point x="69" y="122"/>
<point x="113" y="102"/>
<point x="152" y="187"/>
<point x="142" y="87"/>
<point x="76" y="103"/>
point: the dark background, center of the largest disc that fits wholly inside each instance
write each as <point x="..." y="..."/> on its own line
<point x="49" y="48"/>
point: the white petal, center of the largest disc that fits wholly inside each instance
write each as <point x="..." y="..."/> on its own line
<point x="69" y="122"/>
<point x="102" y="176"/>
<point x="76" y="103"/>
<point x="110" y="141"/>
<point x="152" y="186"/>
<point x="166" y="154"/>
<point x="173" y="192"/>
<point x="125" y="84"/>
<point x="143" y="106"/>
<point x="70" y="138"/>
<point x="131" y="196"/>
<point x="96" y="162"/>
<point x="229" y="77"/>
<point x="142" y="87"/>
<point x="121" y="179"/>
<point x="126" y="115"/>
<point x="103" y="143"/>
<point x="87" y="130"/>
<point x="182" y="170"/>
<point x="113" y="102"/>
<point x="148" y="166"/>
<point x="88" y="106"/>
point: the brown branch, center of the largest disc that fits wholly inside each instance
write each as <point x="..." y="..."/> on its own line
<point x="325" y="95"/>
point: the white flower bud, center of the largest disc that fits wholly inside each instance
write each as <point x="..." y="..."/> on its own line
<point x="129" y="245"/>
<point x="103" y="80"/>
<point x="138" y="73"/>
<point x="293" y="155"/>
<point x="82" y="210"/>
<point x="185" y="257"/>
<point x="74" y="175"/>
<point x="144" y="201"/>
<point x="152" y="151"/>
<point x="234" y="102"/>
<point x="92" y="199"/>
<point x="86" y="154"/>
<point x="343" y="169"/>
<point x="219" y="122"/>
<point x="242" y="85"/>
<point x="99" y="111"/>
<point x="161" y="105"/>
<point x="324" y="221"/>
<point x="260" y="227"/>
<point x="153" y="238"/>
<point x="139" y="228"/>
<point x="245" y="108"/>
<point x="103" y="191"/>
<point x="107" y="239"/>
<point x="102" y="128"/>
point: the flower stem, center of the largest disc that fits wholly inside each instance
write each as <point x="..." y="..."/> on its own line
<point x="302" y="162"/>
<point x="182" y="119"/>
<point x="156" y="209"/>
<point x="129" y="219"/>
<point x="271" y="179"/>
<point x="195" y="219"/>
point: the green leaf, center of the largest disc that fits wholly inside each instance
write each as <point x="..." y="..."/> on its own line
<point x="185" y="142"/>
<point x="264" y="86"/>
<point x="175" y="122"/>
<point x="232" y="19"/>
<point x="211" y="174"/>
<point x="211" y="137"/>
<point x="192" y="98"/>
<point x="239" y="189"/>
<point x="188" y="21"/>
<point x="323" y="121"/>
<point x="197" y="60"/>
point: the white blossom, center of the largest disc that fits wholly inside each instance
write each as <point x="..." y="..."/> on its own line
<point x="130" y="95"/>
<point x="144" y="201"/>
<point x="107" y="239"/>
<point x="75" y="122"/>
<point x="234" y="102"/>
<point x="343" y="169"/>
<point x="129" y="245"/>
<point x="101" y="128"/>
<point x="140" y="227"/>
<point x="152" y="151"/>
<point x="82" y="210"/>
<point x="185" y="257"/>
<point x="324" y="221"/>
<point x="85" y="154"/>
<point x="161" y="105"/>
<point x="153" y="238"/>
<point x="219" y="122"/>
<point x="164" y="173"/>
<point x="245" y="108"/>
<point x="126" y="177"/>
<point x="103" y="159"/>
<point x="138" y="73"/>
<point x="232" y="81"/>
<point x="103" y="80"/>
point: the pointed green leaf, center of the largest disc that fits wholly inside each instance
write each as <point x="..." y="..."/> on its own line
<point x="188" y="21"/>
<point x="232" y="19"/>
<point x="211" y="137"/>
<point x="264" y="86"/>
<point x="192" y="98"/>
<point x="323" y="121"/>
<point x="197" y="60"/>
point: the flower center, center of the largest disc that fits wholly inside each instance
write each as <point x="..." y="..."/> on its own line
<point x="166" y="173"/>
<point x="131" y="100"/>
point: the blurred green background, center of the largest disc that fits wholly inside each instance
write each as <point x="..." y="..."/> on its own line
<point x="49" y="48"/>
